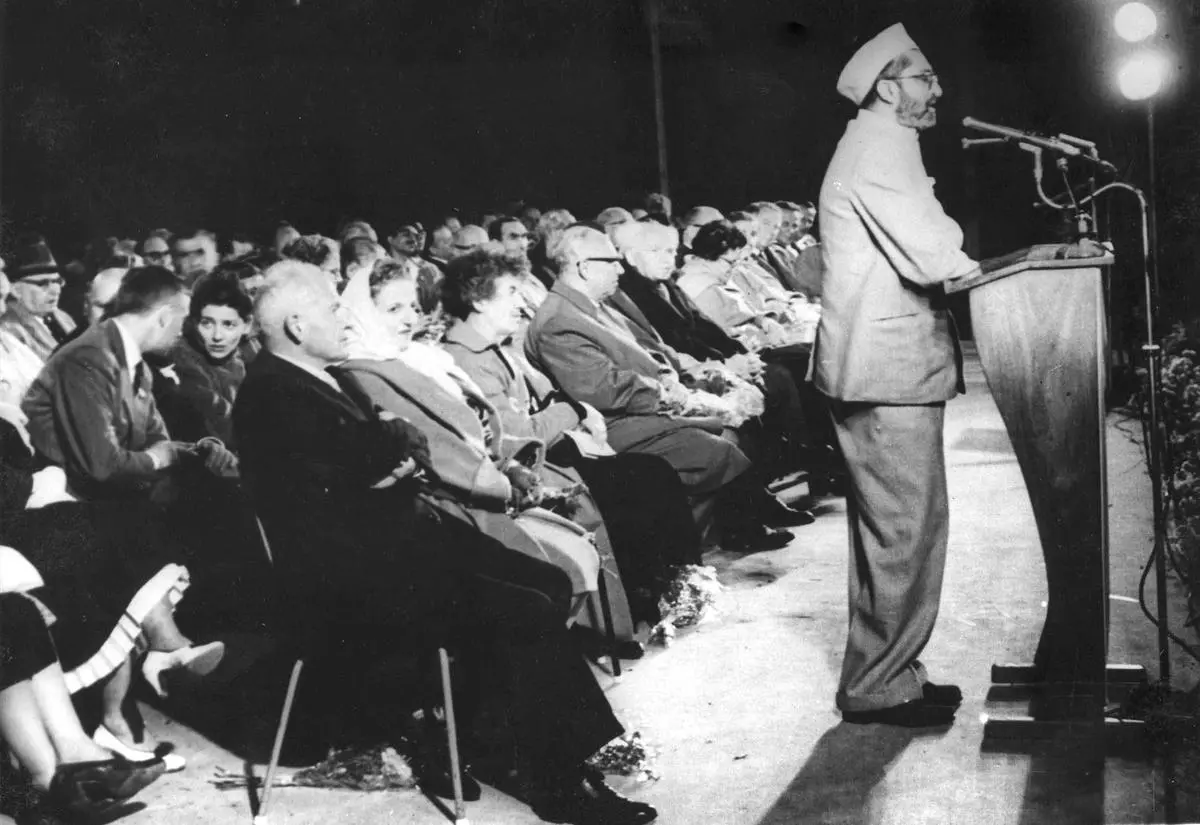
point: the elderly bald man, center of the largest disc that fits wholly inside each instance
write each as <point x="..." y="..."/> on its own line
<point x="467" y="238"/>
<point x="594" y="356"/>
<point x="693" y="219"/>
<point x="360" y="554"/>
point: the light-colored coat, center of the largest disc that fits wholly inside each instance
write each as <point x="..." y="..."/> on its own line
<point x="888" y="247"/>
<point x="32" y="331"/>
<point x="601" y="363"/>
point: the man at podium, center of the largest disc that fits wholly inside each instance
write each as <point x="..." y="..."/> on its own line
<point x="887" y="356"/>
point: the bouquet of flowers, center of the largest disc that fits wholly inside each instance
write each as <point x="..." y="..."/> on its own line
<point x="378" y="768"/>
<point x="688" y="600"/>
<point x="627" y="755"/>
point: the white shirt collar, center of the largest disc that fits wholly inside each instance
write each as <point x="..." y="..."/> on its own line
<point x="133" y="353"/>
<point x="313" y="371"/>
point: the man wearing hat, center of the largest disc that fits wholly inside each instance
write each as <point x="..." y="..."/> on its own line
<point x="32" y="315"/>
<point x="887" y="356"/>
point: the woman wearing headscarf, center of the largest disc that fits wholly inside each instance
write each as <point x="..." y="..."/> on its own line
<point x="475" y="472"/>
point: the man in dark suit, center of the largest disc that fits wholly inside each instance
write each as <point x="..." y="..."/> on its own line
<point x="597" y="357"/>
<point x="649" y="250"/>
<point x="91" y="410"/>
<point x="358" y="554"/>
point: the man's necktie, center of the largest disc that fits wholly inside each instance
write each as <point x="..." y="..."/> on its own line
<point x="143" y="378"/>
<point x="56" y="329"/>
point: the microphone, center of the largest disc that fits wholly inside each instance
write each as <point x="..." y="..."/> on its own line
<point x="1024" y="137"/>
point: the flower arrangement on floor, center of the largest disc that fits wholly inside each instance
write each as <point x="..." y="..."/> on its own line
<point x="688" y="600"/>
<point x="1180" y="408"/>
<point x="378" y="768"/>
<point x="628" y="755"/>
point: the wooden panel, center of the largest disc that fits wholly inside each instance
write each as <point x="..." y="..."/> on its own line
<point x="1040" y="335"/>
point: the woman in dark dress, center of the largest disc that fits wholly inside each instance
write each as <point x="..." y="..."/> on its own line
<point x="208" y="361"/>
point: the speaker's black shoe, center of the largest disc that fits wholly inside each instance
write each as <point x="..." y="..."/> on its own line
<point x="588" y="800"/>
<point x="918" y="713"/>
<point x="945" y="695"/>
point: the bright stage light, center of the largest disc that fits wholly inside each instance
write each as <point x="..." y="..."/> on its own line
<point x="1141" y="76"/>
<point x="1135" y="22"/>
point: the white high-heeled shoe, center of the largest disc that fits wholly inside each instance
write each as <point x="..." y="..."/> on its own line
<point x="199" y="661"/>
<point x="108" y="740"/>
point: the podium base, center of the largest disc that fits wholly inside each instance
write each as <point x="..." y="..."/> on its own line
<point x="1061" y="711"/>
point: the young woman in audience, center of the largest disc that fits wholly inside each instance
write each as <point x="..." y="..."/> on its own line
<point x="208" y="360"/>
<point x="110" y="579"/>
<point x="476" y="472"/>
<point x="641" y="496"/>
<point x="71" y="776"/>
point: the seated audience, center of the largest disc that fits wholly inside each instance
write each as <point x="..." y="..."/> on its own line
<point x="655" y="300"/>
<point x="512" y="235"/>
<point x="32" y="315"/>
<point x="593" y="356"/>
<point x="542" y="254"/>
<point x="71" y="776"/>
<point x="760" y="286"/>
<point x="156" y="249"/>
<point x="405" y="245"/>
<point x="468" y="237"/>
<point x="321" y="252"/>
<point x="194" y="253"/>
<point x="640" y="496"/>
<point x="358" y="555"/>
<point x="208" y="361"/>
<point x="612" y="218"/>
<point x="441" y="247"/>
<point x="421" y="385"/>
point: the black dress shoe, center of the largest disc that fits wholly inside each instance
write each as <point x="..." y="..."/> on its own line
<point x="757" y="541"/>
<point x="90" y="788"/>
<point x="915" y="714"/>
<point x="594" y="644"/>
<point x="775" y="513"/>
<point x="439" y="782"/>
<point x="588" y="800"/>
<point x="945" y="695"/>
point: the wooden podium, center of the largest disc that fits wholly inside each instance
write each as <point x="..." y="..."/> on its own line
<point x="1039" y="325"/>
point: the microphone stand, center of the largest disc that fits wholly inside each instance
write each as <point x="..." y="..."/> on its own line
<point x="1153" y="354"/>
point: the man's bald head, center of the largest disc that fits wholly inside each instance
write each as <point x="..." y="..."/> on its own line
<point x="298" y="313"/>
<point x="588" y="261"/>
<point x="612" y="218"/>
<point x="101" y="292"/>
<point x="469" y="237"/>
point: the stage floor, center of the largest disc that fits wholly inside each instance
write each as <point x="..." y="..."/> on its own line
<point x="742" y="706"/>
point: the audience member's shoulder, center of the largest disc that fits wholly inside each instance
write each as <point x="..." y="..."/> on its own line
<point x="93" y="347"/>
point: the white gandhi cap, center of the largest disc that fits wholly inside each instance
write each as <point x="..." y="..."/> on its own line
<point x="858" y="78"/>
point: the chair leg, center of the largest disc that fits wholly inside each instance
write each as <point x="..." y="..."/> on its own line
<point x="610" y="630"/>
<point x="277" y="748"/>
<point x="460" y="807"/>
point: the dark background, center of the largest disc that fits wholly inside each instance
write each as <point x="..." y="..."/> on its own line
<point x="233" y="114"/>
